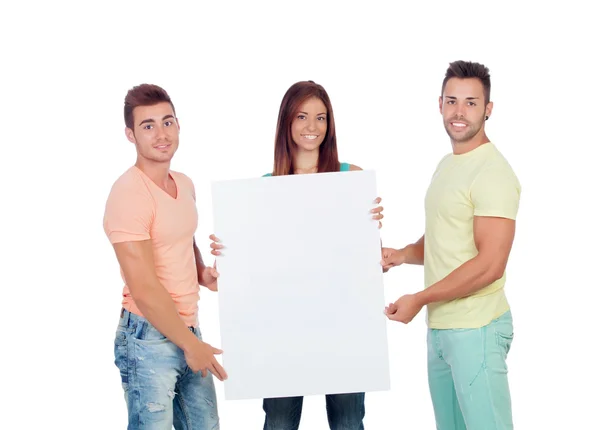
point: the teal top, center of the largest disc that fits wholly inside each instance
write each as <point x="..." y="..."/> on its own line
<point x="344" y="167"/>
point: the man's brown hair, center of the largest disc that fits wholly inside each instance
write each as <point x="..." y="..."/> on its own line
<point x="468" y="69"/>
<point x="143" y="95"/>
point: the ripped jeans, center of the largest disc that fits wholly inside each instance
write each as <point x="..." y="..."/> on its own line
<point x="160" y="389"/>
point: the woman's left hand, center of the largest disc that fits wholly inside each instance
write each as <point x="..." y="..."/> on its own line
<point x="378" y="211"/>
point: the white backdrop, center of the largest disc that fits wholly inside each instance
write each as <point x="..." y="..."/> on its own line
<point x="66" y="69"/>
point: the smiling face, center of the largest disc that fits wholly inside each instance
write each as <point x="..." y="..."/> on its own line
<point x="310" y="124"/>
<point x="155" y="132"/>
<point x="463" y="109"/>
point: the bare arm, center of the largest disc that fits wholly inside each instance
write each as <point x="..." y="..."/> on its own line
<point x="410" y="254"/>
<point x="493" y="239"/>
<point x="137" y="262"/>
<point x="200" y="266"/>
<point x="415" y="252"/>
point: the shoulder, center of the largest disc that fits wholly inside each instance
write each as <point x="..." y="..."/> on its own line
<point x="130" y="182"/>
<point x="129" y="192"/>
<point x="183" y="179"/>
<point x="347" y="167"/>
<point x="496" y="164"/>
<point x="444" y="159"/>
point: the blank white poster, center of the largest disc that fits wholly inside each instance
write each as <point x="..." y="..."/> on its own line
<point x="301" y="293"/>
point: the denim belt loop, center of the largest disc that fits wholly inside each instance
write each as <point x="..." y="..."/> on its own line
<point x="125" y="317"/>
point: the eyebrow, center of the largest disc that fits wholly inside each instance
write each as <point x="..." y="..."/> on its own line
<point x="322" y="113"/>
<point x="150" y="120"/>
<point x="467" y="98"/>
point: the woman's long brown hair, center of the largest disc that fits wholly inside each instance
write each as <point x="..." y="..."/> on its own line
<point x="284" y="144"/>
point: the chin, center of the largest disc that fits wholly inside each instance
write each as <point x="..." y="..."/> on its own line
<point x="310" y="147"/>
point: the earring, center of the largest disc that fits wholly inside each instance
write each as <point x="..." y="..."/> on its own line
<point x="487" y="117"/>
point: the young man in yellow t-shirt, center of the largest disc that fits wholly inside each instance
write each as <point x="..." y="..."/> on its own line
<point x="470" y="207"/>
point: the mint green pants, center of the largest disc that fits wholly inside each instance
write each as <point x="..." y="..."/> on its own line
<point x="468" y="378"/>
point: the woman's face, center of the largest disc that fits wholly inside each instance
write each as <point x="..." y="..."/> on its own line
<point x="310" y="124"/>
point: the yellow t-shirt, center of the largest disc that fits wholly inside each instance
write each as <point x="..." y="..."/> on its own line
<point x="477" y="183"/>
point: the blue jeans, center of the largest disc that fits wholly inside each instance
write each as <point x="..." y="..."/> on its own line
<point x="468" y="377"/>
<point x="344" y="412"/>
<point x="161" y="391"/>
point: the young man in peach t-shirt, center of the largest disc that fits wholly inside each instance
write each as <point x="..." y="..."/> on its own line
<point x="150" y="220"/>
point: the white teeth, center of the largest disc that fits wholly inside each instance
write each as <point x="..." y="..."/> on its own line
<point x="310" y="136"/>
<point x="456" y="124"/>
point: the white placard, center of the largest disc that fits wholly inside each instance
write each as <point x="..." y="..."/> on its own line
<point x="301" y="294"/>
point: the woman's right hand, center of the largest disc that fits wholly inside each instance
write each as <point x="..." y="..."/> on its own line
<point x="215" y="245"/>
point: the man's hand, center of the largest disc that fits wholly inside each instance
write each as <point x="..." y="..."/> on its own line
<point x="200" y="357"/>
<point x="215" y="245"/>
<point x="392" y="257"/>
<point x="404" y="309"/>
<point x="209" y="277"/>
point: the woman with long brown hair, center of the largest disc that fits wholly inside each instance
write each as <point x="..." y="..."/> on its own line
<point x="305" y="142"/>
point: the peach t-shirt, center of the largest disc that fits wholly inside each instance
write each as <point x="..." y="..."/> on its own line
<point x="137" y="209"/>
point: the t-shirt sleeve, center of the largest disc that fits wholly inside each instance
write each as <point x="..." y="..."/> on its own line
<point x="496" y="192"/>
<point x="129" y="213"/>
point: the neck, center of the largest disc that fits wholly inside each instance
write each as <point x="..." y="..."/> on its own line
<point x="157" y="172"/>
<point x="475" y="142"/>
<point x="306" y="161"/>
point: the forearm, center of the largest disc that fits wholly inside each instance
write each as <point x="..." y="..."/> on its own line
<point x="158" y="308"/>
<point x="467" y="279"/>
<point x="200" y="266"/>
<point x="415" y="253"/>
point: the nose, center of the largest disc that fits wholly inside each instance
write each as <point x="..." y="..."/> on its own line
<point x="160" y="132"/>
<point x="312" y="125"/>
<point x="460" y="110"/>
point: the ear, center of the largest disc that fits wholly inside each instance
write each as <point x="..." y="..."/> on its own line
<point x="440" y="101"/>
<point x="178" y="125"/>
<point x="488" y="109"/>
<point x="130" y="135"/>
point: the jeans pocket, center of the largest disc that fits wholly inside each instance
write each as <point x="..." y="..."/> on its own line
<point x="147" y="333"/>
<point x="504" y="340"/>
<point x="120" y="350"/>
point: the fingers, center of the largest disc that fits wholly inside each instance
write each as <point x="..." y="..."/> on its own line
<point x="217" y="370"/>
<point x="387" y="265"/>
<point x="377" y="200"/>
<point x="391" y="309"/>
<point x="215" y="246"/>
<point x="217" y="350"/>
<point x="204" y="372"/>
<point x="213" y="271"/>
<point x="378" y="214"/>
